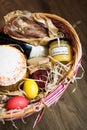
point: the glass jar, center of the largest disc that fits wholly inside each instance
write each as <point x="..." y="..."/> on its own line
<point x="60" y="50"/>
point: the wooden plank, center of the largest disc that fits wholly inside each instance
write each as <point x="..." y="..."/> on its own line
<point x="70" y="113"/>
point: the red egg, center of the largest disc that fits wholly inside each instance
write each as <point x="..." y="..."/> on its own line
<point x="17" y="102"/>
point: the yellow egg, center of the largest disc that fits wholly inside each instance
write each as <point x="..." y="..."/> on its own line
<point x="31" y="88"/>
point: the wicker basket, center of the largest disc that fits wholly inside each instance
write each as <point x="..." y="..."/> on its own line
<point x="53" y="96"/>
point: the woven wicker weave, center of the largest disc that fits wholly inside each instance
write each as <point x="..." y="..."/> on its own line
<point x="53" y="96"/>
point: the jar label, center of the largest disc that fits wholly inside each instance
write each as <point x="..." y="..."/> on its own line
<point x="59" y="50"/>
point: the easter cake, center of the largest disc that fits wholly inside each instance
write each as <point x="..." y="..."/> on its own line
<point x="12" y="67"/>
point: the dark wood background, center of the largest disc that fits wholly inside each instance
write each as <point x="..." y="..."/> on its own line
<point x="70" y="113"/>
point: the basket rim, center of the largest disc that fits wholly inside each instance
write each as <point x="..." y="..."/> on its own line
<point x="69" y="76"/>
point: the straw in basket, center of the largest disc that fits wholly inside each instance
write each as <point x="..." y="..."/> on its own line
<point x="57" y="28"/>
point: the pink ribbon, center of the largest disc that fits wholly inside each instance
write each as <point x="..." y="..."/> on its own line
<point x="51" y="99"/>
<point x="54" y="95"/>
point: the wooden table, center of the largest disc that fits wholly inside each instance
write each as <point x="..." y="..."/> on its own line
<point x="70" y="113"/>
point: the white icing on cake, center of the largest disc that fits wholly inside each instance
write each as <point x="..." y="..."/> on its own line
<point x="12" y="65"/>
